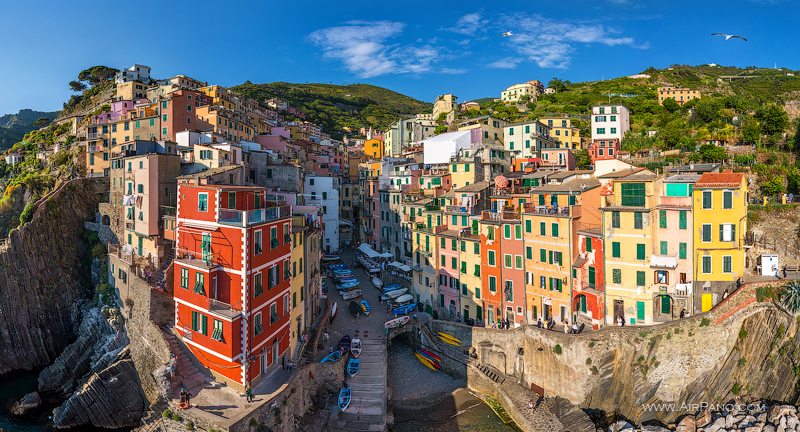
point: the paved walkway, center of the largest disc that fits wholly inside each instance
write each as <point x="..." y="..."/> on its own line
<point x="367" y="410"/>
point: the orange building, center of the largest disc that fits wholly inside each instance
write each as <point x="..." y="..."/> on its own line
<point x="232" y="279"/>
<point x="373" y="149"/>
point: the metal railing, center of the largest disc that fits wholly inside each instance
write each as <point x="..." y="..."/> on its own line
<point x="499" y="216"/>
<point x="569" y="211"/>
<point x="253" y="217"/>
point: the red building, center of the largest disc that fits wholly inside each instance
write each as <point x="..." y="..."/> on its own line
<point x="603" y="149"/>
<point x="232" y="279"/>
<point x="178" y="113"/>
<point x="491" y="273"/>
<point x="589" y="278"/>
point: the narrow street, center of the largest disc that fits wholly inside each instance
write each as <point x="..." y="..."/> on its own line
<point x="367" y="410"/>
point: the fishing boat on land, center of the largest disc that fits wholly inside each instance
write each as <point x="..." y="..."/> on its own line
<point x="391" y="287"/>
<point x="332" y="357"/>
<point x="353" y="366"/>
<point x="397" y="322"/>
<point x="450" y="339"/>
<point x="350" y="295"/>
<point x="344" y="398"/>
<point x="347" y="285"/>
<point x="330" y="257"/>
<point x="355" y="347"/>
<point x="365" y="307"/>
<point x="404" y="310"/>
<point x="436" y="363"/>
<point x="377" y="282"/>
<point x="425" y="361"/>
<point x="391" y="295"/>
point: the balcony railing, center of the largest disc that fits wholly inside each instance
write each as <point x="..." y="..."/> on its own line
<point x="222" y="308"/>
<point x="432" y="207"/>
<point x="461" y="210"/>
<point x="499" y="216"/>
<point x="253" y="217"/>
<point x="569" y="211"/>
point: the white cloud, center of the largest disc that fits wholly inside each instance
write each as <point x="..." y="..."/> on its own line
<point x="505" y="63"/>
<point x="365" y="49"/>
<point x="469" y="24"/>
<point x="551" y="43"/>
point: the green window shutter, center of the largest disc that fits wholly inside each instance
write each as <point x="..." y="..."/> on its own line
<point x="727" y="264"/>
<point x="615" y="223"/>
<point x="463" y="246"/>
<point x="204" y="325"/>
<point x="727" y="199"/>
<point x="682" y="250"/>
<point x="507" y="231"/>
<point x="542" y="255"/>
<point x="477" y="270"/>
<point x="588" y="244"/>
<point x="541" y="199"/>
<point x="640" y="251"/>
<point x="476" y="248"/>
<point x="518" y="232"/>
<point x="662" y="219"/>
<point x="616" y="276"/>
<point x="615" y="250"/>
<point x="706" y="264"/>
<point x="640" y="311"/>
<point x="555" y="229"/>
<point x="706" y="199"/>
<point x="591" y="277"/>
<point x="640" y="278"/>
<point x="550" y="257"/>
<point x="542" y="229"/>
<point x="666" y="307"/>
<point x="663" y="248"/>
<point x="707" y="233"/>
<point x="633" y="194"/>
<point x="491" y="258"/>
<point x="443" y="243"/>
<point x="528" y="252"/>
<point x="682" y="220"/>
<point x="478" y="295"/>
<point x="464" y="267"/>
<point x="507" y="261"/>
<point x="638" y="222"/>
<point x="528" y="227"/>
<point x="194" y="321"/>
<point x="453" y="245"/>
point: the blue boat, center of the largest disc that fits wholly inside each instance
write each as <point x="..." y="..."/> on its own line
<point x="345" y="276"/>
<point x="347" y="285"/>
<point x="342" y="270"/>
<point x="344" y="398"/>
<point x="365" y="307"/>
<point x="404" y="310"/>
<point x="332" y="357"/>
<point x="391" y="287"/>
<point x="353" y="366"/>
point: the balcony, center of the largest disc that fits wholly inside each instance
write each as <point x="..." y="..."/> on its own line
<point x="491" y="216"/>
<point x="224" y="309"/>
<point x="672" y="201"/>
<point x="93" y="135"/>
<point x="467" y="211"/>
<point x="206" y="261"/>
<point x="573" y="211"/>
<point x="513" y="190"/>
<point x="467" y="233"/>
<point x="432" y="207"/>
<point x="243" y="218"/>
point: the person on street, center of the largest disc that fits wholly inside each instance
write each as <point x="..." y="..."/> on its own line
<point x="566" y="327"/>
<point x="248" y="392"/>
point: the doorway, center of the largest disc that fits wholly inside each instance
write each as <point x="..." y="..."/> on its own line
<point x="619" y="310"/>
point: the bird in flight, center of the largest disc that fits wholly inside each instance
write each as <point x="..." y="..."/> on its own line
<point x="729" y="36"/>
<point x="506" y="34"/>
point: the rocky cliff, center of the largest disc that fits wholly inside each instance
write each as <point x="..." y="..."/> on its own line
<point x="43" y="277"/>
<point x="742" y="348"/>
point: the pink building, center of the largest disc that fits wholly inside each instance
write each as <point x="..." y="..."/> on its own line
<point x="449" y="267"/>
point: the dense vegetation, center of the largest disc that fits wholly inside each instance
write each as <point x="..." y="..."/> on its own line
<point x="14" y="126"/>
<point x="339" y="110"/>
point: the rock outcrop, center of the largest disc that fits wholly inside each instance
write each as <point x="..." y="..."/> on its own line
<point x="43" y="277"/>
<point x="111" y="398"/>
<point x="28" y="403"/>
<point x="734" y="416"/>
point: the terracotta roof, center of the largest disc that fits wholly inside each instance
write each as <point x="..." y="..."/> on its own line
<point x="726" y="178"/>
<point x="572" y="186"/>
<point x="475" y="187"/>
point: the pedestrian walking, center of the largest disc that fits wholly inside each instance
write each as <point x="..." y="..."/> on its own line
<point x="248" y="392"/>
<point x="683" y="313"/>
<point x="619" y="321"/>
<point x="566" y="328"/>
<point x="539" y="323"/>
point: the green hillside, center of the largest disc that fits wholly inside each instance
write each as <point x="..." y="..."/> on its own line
<point x="14" y="126"/>
<point x="339" y="109"/>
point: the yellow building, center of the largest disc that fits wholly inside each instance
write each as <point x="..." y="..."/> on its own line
<point x="373" y="149"/>
<point x="550" y="225"/>
<point x="719" y="209"/>
<point x="629" y="235"/>
<point x="463" y="172"/>
<point x="679" y="95"/>
<point x="296" y="322"/>
<point x="562" y="132"/>
<point x="427" y="222"/>
<point x="131" y="90"/>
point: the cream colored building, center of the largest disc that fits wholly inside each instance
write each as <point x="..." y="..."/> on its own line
<point x="679" y="94"/>
<point x="444" y="104"/>
<point x="562" y="132"/>
<point x="517" y="91"/>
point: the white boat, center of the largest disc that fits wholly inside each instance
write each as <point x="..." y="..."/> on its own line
<point x="397" y="322"/>
<point x="403" y="300"/>
<point x="377" y="282"/>
<point x="350" y="295"/>
<point x="391" y="295"/>
<point x="355" y="347"/>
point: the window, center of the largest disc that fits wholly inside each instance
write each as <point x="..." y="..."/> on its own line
<point x="490" y="233"/>
<point x="518" y="262"/>
<point x="477" y="293"/>
<point x="727" y="199"/>
<point x="542" y="229"/>
<point x="706" y="199"/>
<point x="272" y="276"/>
<point x="258" y="285"/>
<point x="640" y="278"/>
<point x="588" y="244"/>
<point x="661" y="277"/>
<point x="706" y="264"/>
<point x="663" y="248"/>
<point x="727" y="232"/>
<point x="184" y="278"/>
<point x="202" y="202"/>
<point x="216" y="334"/>
<point x="637" y="220"/>
<point x="257" y="242"/>
<point x="273" y="313"/>
<point x="662" y="218"/>
<point x="615" y="250"/>
<point x="592" y="277"/>
<point x="199" y="323"/>
<point x="199" y="283"/>
<point x="554" y="229"/>
<point x="601" y="131"/>
<point x="528" y="252"/>
<point x="727" y="264"/>
<point x="640" y="251"/>
<point x="706" y="232"/>
<point x="507" y="231"/>
<point x="476" y="248"/>
<point x="615" y="219"/>
<point x="682" y="250"/>
<point x="491" y="258"/>
<point x="205" y="247"/>
<point x="616" y="276"/>
<point x="477" y="271"/>
<point x="507" y="260"/>
<point x="492" y="284"/>
<point x="231" y="200"/>
<point x="682" y="219"/>
<point x="633" y="194"/>
<point x="509" y="290"/>
<point x="518" y="232"/>
<point x="258" y="324"/>
<point x="453" y="263"/>
<point x="273" y="237"/>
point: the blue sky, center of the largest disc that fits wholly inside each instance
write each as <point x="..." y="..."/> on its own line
<point x="420" y="48"/>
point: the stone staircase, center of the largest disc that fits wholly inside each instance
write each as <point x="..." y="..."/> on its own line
<point x="367" y="410"/>
<point x="491" y="373"/>
<point x="188" y="369"/>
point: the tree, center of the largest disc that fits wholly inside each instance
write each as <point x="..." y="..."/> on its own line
<point x="750" y="131"/>
<point x="773" y="186"/>
<point x="795" y="143"/>
<point x="41" y="122"/>
<point x="77" y="86"/>
<point x="773" y="119"/>
<point x="557" y="85"/>
<point x="790" y="297"/>
<point x="707" y="110"/>
<point x="582" y="159"/>
<point x="96" y="74"/>
<point x="670" y="105"/>
<point x="440" y="129"/>
<point x="712" y="153"/>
